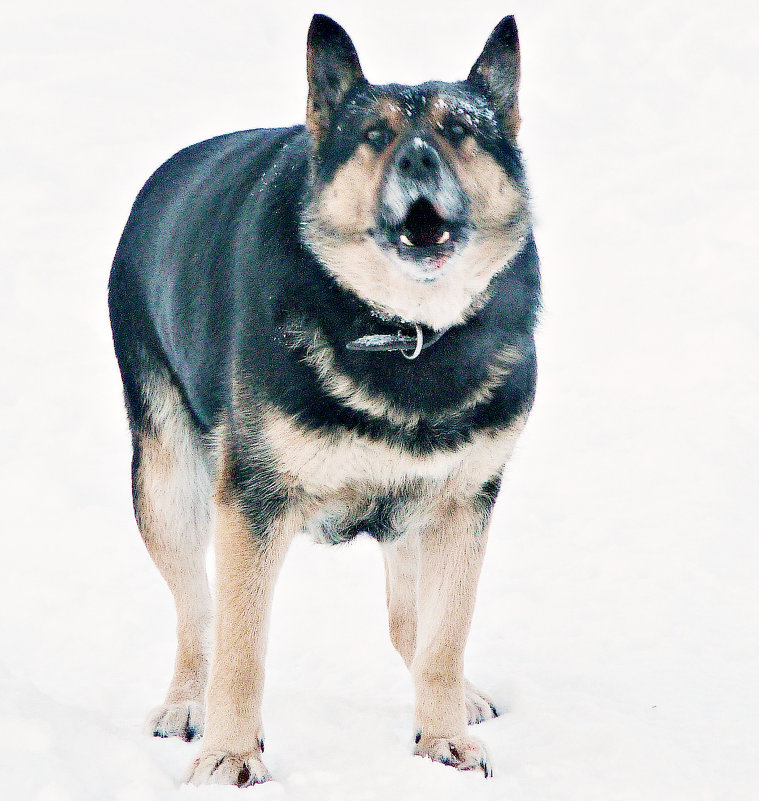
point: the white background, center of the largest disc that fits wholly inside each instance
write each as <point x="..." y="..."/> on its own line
<point x="617" y="621"/>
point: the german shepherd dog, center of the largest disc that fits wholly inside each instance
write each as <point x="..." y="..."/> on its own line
<point x="329" y="327"/>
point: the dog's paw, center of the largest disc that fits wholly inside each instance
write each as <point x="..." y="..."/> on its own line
<point x="222" y="767"/>
<point x="184" y="720"/>
<point x="478" y="706"/>
<point x="464" y="753"/>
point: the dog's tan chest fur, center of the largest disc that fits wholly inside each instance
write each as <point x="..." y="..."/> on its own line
<point x="329" y="464"/>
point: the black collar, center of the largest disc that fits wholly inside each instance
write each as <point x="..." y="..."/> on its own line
<point x="410" y="345"/>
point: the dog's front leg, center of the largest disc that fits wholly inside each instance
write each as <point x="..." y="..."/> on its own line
<point x="249" y="551"/>
<point x="452" y="545"/>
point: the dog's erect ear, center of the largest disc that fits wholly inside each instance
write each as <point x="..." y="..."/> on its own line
<point x="333" y="68"/>
<point x="497" y="69"/>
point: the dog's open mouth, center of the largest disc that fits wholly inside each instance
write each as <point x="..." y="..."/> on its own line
<point x="424" y="227"/>
<point x="423" y="237"/>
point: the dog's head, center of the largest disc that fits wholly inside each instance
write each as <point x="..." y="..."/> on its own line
<point x="418" y="194"/>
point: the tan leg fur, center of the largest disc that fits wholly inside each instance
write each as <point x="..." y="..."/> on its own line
<point x="451" y="549"/>
<point x="171" y="492"/>
<point x="247" y="565"/>
<point x="401" y="578"/>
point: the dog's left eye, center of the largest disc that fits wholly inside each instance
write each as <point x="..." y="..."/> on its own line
<point x="378" y="136"/>
<point x="455" y="131"/>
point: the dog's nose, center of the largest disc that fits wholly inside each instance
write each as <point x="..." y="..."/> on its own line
<point x="417" y="160"/>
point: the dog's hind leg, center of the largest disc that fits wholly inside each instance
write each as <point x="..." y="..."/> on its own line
<point x="171" y="490"/>
<point x="401" y="578"/>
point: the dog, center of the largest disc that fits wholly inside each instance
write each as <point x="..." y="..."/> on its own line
<point x="329" y="328"/>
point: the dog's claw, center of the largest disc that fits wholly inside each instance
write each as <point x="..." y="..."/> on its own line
<point x="462" y="753"/>
<point x="478" y="706"/>
<point x="241" y="770"/>
<point x="183" y="720"/>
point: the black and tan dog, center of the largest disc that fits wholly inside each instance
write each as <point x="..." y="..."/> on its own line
<point x="330" y="328"/>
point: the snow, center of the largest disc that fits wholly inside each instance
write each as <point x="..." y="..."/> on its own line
<point x="617" y="616"/>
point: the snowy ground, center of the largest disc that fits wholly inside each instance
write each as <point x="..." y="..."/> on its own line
<point x="617" y="621"/>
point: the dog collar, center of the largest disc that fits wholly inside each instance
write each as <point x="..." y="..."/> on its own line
<point x="410" y="345"/>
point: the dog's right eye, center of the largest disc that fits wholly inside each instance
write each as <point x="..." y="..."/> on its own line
<point x="455" y="131"/>
<point x="378" y="136"/>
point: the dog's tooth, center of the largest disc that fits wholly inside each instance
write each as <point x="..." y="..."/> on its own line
<point x="405" y="240"/>
<point x="444" y="237"/>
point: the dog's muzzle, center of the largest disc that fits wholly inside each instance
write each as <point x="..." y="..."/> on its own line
<point x="423" y="209"/>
